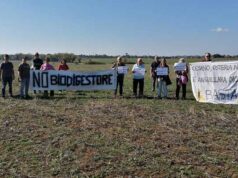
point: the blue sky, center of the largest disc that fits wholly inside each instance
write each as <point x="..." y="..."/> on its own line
<point x="142" y="27"/>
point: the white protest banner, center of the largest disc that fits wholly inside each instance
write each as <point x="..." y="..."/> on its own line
<point x="162" y="71"/>
<point x="71" y="80"/>
<point x="122" y="70"/>
<point x="139" y="71"/>
<point x="180" y="66"/>
<point x="215" y="82"/>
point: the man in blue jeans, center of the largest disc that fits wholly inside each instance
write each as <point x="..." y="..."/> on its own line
<point x="6" y="75"/>
<point x="24" y="78"/>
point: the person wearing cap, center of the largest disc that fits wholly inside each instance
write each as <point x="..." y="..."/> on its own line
<point x="120" y="77"/>
<point x="153" y="68"/>
<point x="181" y="80"/>
<point x="138" y="77"/>
<point x="207" y="57"/>
<point x="24" y="78"/>
<point x="44" y="67"/>
<point x="7" y="75"/>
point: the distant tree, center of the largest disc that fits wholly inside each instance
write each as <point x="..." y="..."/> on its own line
<point x="218" y="56"/>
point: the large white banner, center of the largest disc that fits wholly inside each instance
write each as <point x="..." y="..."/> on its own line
<point x="215" y="82"/>
<point x="71" y="80"/>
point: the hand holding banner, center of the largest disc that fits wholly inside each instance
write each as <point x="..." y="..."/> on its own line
<point x="180" y="66"/>
<point x="122" y="70"/>
<point x="162" y="71"/>
<point x="139" y="71"/>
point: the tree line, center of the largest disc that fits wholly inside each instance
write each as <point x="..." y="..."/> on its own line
<point x="71" y="57"/>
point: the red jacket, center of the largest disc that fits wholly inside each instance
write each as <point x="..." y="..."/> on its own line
<point x="63" y="67"/>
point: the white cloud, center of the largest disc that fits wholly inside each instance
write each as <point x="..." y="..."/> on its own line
<point x="220" y="29"/>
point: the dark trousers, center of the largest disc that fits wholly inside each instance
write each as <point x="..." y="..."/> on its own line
<point x="178" y="86"/>
<point x="139" y="82"/>
<point x="46" y="93"/>
<point x="120" y="81"/>
<point x="5" y="81"/>
<point x="154" y="81"/>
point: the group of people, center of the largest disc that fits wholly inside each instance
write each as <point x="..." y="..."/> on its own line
<point x="161" y="81"/>
<point x="7" y="74"/>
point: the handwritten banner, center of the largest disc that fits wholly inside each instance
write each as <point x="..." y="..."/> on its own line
<point x="180" y="66"/>
<point x="139" y="71"/>
<point x="122" y="70"/>
<point x="215" y="82"/>
<point x="162" y="71"/>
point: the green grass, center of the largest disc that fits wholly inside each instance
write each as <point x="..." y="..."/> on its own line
<point x="91" y="134"/>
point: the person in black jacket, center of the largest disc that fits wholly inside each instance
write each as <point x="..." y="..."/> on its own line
<point x="153" y="68"/>
<point x="37" y="63"/>
<point x="6" y="75"/>
<point x="120" y="76"/>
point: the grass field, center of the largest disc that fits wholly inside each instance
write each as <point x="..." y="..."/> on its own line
<point x="91" y="134"/>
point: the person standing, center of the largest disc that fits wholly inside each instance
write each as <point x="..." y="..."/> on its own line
<point x="24" y="78"/>
<point x="44" y="67"/>
<point x="162" y="81"/>
<point x="37" y="63"/>
<point x="7" y="75"/>
<point x="138" y="78"/>
<point x="181" y="80"/>
<point x="63" y="65"/>
<point x="120" y="76"/>
<point x="153" y="68"/>
<point x="207" y="57"/>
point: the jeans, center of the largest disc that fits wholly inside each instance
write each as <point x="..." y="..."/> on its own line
<point x="5" y="81"/>
<point x="24" y="88"/>
<point x="120" y="81"/>
<point x="178" y="86"/>
<point x="162" y="89"/>
<point x="141" y="86"/>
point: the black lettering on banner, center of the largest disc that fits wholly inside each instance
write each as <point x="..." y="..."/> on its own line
<point x="222" y="96"/>
<point x="233" y="95"/>
<point x="44" y="80"/>
<point x="82" y="80"/>
<point x="216" y="95"/>
<point x="53" y="80"/>
<point x="99" y="80"/>
<point x="62" y="80"/>
<point x="88" y="82"/>
<point x="110" y="79"/>
<point x="208" y="94"/>
<point x="105" y="79"/>
<point x="36" y="79"/>
<point x="74" y="83"/>
<point x="78" y="81"/>
<point x="93" y="79"/>
<point x="69" y="81"/>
